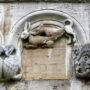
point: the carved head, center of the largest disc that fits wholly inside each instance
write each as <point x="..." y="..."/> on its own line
<point x="82" y="61"/>
<point x="10" y="50"/>
<point x="27" y="28"/>
<point x="24" y="35"/>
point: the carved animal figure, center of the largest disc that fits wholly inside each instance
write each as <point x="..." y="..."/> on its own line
<point x="82" y="60"/>
<point x="43" y="36"/>
<point x="57" y="32"/>
<point x="35" y="41"/>
<point x="11" y="64"/>
<point x="48" y="32"/>
<point x="69" y="31"/>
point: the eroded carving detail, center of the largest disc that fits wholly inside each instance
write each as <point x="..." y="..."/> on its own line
<point x="46" y="37"/>
<point x="81" y="56"/>
<point x="10" y="62"/>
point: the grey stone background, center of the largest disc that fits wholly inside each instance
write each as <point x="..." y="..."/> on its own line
<point x="80" y="1"/>
<point x="10" y="13"/>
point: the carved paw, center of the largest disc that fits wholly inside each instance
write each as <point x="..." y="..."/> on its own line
<point x="30" y="46"/>
<point x="17" y="77"/>
<point x="74" y="40"/>
<point x="49" y="44"/>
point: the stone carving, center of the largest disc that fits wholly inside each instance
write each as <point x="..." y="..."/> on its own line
<point x="81" y="56"/>
<point x="46" y="37"/>
<point x="10" y="62"/>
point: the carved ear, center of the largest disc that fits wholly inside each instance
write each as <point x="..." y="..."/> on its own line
<point x="27" y="26"/>
<point x="76" y="51"/>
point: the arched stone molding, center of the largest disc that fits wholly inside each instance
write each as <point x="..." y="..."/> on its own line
<point x="53" y="17"/>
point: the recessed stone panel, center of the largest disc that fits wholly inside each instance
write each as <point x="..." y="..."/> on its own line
<point x="48" y="63"/>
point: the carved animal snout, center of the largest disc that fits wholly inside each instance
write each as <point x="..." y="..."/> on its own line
<point x="24" y="35"/>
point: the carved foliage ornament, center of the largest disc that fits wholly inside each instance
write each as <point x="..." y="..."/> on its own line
<point x="10" y="65"/>
<point x="45" y="37"/>
<point x="81" y="56"/>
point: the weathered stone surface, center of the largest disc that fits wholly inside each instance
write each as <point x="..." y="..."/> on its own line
<point x="44" y="0"/>
<point x="81" y="12"/>
<point x="40" y="85"/>
<point x="2" y="86"/>
<point x="45" y="63"/>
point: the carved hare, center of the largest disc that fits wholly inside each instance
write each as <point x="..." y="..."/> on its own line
<point x="36" y="38"/>
<point x="67" y="29"/>
<point x="35" y="41"/>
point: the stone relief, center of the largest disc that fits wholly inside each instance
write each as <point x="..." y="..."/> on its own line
<point x="10" y="63"/>
<point x="81" y="56"/>
<point x="43" y="28"/>
<point x="46" y="28"/>
<point x="45" y="37"/>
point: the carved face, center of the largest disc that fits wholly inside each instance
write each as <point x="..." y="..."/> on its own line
<point x="24" y="35"/>
<point x="82" y="63"/>
<point x="10" y="50"/>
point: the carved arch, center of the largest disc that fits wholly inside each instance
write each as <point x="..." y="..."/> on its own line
<point x="53" y="17"/>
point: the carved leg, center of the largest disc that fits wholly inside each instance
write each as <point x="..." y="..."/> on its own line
<point x="69" y="31"/>
<point x="30" y="46"/>
<point x="49" y="44"/>
<point x="70" y="39"/>
<point x="17" y="77"/>
<point x="74" y="39"/>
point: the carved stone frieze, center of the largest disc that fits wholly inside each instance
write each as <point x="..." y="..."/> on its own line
<point x="46" y="24"/>
<point x="10" y="63"/>
<point x="81" y="56"/>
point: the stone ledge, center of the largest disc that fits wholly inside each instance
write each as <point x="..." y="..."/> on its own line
<point x="75" y="1"/>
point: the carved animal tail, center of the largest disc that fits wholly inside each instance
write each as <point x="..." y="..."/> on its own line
<point x="68" y="22"/>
